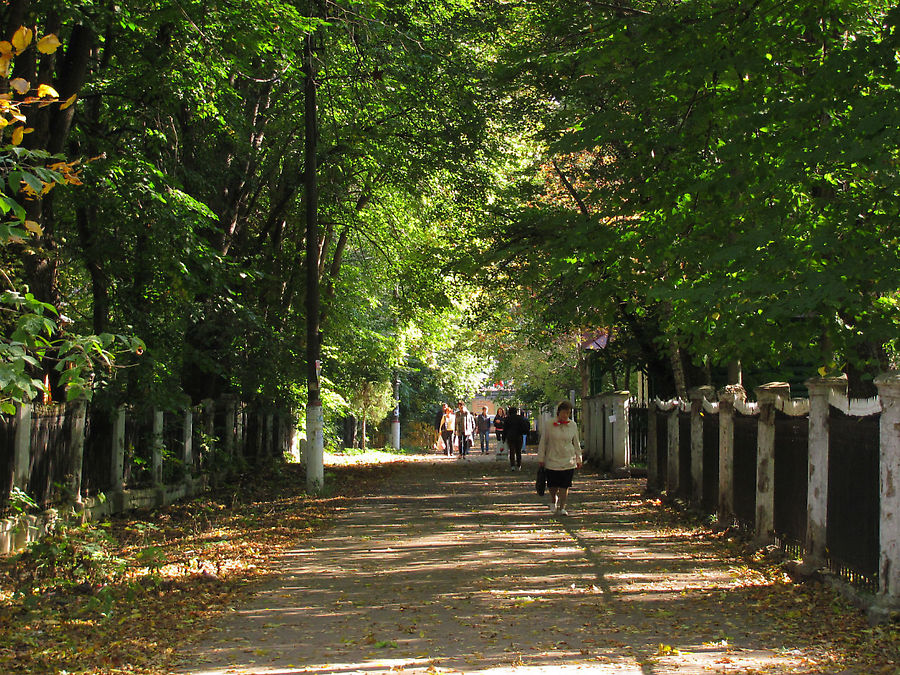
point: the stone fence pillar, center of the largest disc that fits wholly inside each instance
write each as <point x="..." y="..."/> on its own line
<point x="187" y="456"/>
<point x="697" y="395"/>
<point x="157" y="444"/>
<point x="653" y="482"/>
<point x="727" y="397"/>
<point x="817" y="465"/>
<point x="766" y="396"/>
<point x="673" y="452"/>
<point x="621" y="441"/>
<point x="889" y="564"/>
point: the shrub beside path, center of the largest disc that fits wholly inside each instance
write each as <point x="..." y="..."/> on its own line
<point x="459" y="567"/>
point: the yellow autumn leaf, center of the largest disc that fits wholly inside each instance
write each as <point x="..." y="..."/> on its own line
<point x="34" y="228"/>
<point x="48" y="44"/>
<point x="45" y="90"/>
<point x="822" y="371"/>
<point x="22" y="39"/>
<point x="18" y="135"/>
<point x="69" y="101"/>
<point x="4" y="65"/>
<point x="3" y="122"/>
<point x="20" y="85"/>
<point x="6" y="48"/>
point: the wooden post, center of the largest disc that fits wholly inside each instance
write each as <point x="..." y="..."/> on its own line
<point x="817" y="466"/>
<point x="697" y="396"/>
<point x="22" y="447"/>
<point x="77" y="441"/>
<point x="766" y="396"/>
<point x="889" y="565"/>
<point x="725" y="515"/>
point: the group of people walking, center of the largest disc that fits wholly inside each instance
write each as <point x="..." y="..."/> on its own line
<point x="559" y="449"/>
<point x="457" y="430"/>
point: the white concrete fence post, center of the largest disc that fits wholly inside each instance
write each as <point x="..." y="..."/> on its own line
<point x="209" y="429"/>
<point x="621" y="441"/>
<point x="727" y="397"/>
<point x="819" y="389"/>
<point x="697" y="395"/>
<point x="673" y="454"/>
<point x="889" y="565"/>
<point x="157" y="445"/>
<point x="653" y="478"/>
<point x="766" y="396"/>
<point x="240" y="429"/>
<point x="187" y="456"/>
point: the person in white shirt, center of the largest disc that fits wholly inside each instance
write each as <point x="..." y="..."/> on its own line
<point x="559" y="452"/>
<point x="465" y="429"/>
<point x="448" y="422"/>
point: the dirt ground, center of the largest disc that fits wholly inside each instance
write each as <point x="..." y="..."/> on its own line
<point x="458" y="566"/>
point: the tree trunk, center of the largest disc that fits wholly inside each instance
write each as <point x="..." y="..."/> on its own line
<point x="362" y="438"/>
<point x="85" y="218"/>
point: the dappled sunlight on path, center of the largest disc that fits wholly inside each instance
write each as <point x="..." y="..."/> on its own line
<point x="459" y="567"/>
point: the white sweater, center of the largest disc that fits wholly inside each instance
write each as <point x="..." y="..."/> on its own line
<point x="560" y="447"/>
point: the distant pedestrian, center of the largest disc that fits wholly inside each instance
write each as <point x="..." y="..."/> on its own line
<point x="483" y="426"/>
<point x="559" y="452"/>
<point x="447" y="426"/>
<point x="499" y="430"/>
<point x="438" y="419"/>
<point x="464" y="427"/>
<point x="515" y="430"/>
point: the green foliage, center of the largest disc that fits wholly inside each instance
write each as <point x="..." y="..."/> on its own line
<point x="36" y="336"/>
<point x="724" y="176"/>
<point x="69" y="555"/>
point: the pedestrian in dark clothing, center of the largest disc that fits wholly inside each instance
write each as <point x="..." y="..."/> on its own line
<point x="499" y="429"/>
<point x="517" y="427"/>
<point x="483" y="427"/>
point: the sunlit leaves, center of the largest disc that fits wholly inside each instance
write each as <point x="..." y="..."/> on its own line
<point x="48" y="44"/>
<point x="22" y="38"/>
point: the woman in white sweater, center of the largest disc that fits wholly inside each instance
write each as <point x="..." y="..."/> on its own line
<point x="559" y="452"/>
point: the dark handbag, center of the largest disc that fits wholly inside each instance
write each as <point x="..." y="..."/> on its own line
<point x="540" y="483"/>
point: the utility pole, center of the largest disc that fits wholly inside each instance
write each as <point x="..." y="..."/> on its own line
<point x="315" y="439"/>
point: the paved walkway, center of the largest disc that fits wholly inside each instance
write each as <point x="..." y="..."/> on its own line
<point x="459" y="566"/>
